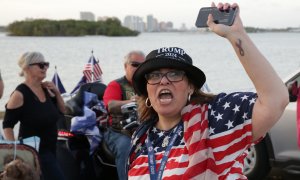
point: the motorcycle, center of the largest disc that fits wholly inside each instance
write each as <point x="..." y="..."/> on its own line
<point x="84" y="154"/>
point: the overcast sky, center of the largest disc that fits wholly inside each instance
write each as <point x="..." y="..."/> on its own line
<point x="256" y="13"/>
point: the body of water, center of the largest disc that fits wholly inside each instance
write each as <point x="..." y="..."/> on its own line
<point x="213" y="54"/>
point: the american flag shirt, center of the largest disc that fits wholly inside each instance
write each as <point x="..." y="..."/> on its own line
<point x="211" y="146"/>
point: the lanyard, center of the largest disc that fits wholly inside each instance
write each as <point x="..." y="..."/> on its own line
<point x="151" y="156"/>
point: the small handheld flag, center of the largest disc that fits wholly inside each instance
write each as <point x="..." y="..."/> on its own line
<point x="92" y="72"/>
<point x="56" y="80"/>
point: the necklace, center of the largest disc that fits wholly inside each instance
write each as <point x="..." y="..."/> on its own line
<point x="161" y="136"/>
<point x="165" y="141"/>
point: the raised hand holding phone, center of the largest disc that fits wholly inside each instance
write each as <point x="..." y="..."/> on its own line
<point x="225" y="17"/>
<point x="225" y="30"/>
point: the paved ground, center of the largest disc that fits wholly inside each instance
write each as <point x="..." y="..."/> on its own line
<point x="278" y="174"/>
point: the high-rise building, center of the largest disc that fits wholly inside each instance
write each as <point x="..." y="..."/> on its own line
<point x="135" y="23"/>
<point x="165" y="26"/>
<point x="170" y="26"/>
<point x="152" y="24"/>
<point x="87" y="16"/>
<point x="102" y="18"/>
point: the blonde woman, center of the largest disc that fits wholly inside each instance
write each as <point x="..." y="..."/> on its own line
<point x="37" y="105"/>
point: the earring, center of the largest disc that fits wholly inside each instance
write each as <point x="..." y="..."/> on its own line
<point x="147" y="103"/>
<point x="189" y="97"/>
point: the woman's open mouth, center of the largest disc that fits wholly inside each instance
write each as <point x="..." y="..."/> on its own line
<point x="165" y="96"/>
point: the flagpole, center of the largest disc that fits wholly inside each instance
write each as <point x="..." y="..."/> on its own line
<point x="101" y="80"/>
<point x="56" y="78"/>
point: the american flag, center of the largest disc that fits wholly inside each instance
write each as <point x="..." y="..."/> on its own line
<point x="213" y="145"/>
<point x="56" y="80"/>
<point x="81" y="82"/>
<point x="92" y="70"/>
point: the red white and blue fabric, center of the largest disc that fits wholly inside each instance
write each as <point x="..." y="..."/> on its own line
<point x="101" y="114"/>
<point x="213" y="144"/>
<point x="81" y="82"/>
<point x="92" y="71"/>
<point x="56" y="80"/>
<point x="87" y="123"/>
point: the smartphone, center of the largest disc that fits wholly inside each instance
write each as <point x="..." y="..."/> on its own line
<point x="220" y="16"/>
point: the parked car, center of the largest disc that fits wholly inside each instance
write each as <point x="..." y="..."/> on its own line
<point x="279" y="148"/>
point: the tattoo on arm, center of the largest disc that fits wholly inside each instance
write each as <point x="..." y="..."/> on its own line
<point x="239" y="45"/>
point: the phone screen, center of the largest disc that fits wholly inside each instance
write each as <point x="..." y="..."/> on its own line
<point x="220" y="16"/>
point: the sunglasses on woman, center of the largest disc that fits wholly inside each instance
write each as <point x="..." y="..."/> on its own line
<point x="41" y="65"/>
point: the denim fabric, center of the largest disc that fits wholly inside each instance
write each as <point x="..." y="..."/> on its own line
<point x="119" y="144"/>
<point x="50" y="167"/>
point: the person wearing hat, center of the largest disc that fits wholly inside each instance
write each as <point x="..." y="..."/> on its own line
<point x="188" y="134"/>
<point x="37" y="105"/>
<point x="118" y="93"/>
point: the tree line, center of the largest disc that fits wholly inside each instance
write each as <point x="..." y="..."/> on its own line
<point x="46" y="27"/>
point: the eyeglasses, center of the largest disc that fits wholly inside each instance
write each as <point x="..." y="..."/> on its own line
<point x="41" y="65"/>
<point x="135" y="64"/>
<point x="172" y="76"/>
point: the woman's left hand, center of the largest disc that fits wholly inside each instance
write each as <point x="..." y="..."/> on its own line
<point x="224" y="30"/>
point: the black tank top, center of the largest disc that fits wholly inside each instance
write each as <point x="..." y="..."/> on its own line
<point x="36" y="118"/>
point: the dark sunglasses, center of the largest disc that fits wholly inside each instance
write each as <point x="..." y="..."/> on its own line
<point x="135" y="64"/>
<point x="41" y="65"/>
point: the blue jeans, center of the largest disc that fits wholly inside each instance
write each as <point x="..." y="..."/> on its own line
<point x="119" y="144"/>
<point x="50" y="167"/>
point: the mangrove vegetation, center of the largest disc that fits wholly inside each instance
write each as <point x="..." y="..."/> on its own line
<point x="46" y="27"/>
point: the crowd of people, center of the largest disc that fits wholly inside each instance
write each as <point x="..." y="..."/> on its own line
<point x="184" y="132"/>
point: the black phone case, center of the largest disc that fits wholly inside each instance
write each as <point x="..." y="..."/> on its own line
<point x="220" y="17"/>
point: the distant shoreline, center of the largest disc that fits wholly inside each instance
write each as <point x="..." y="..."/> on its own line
<point x="249" y="29"/>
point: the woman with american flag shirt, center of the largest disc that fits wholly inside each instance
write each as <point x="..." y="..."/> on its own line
<point x="188" y="134"/>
